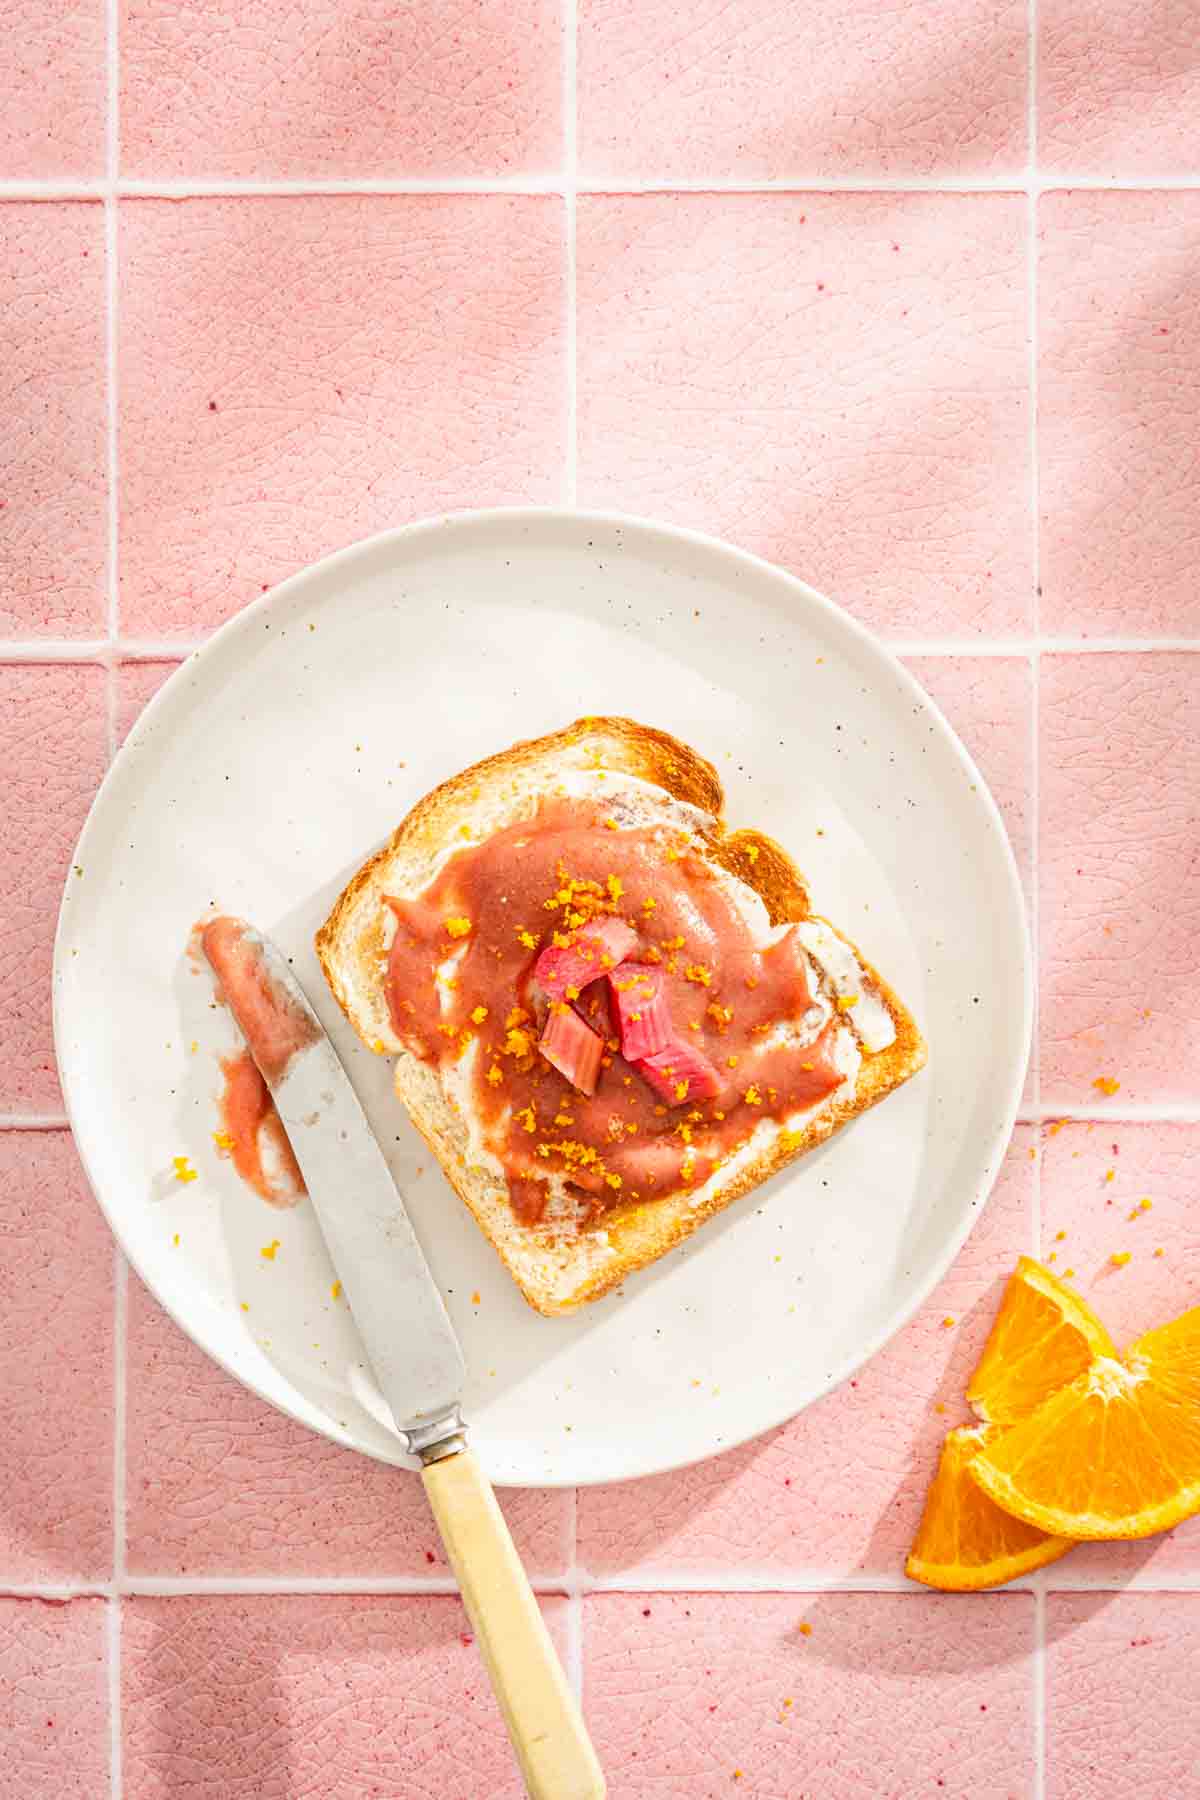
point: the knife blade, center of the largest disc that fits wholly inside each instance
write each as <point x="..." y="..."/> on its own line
<point x="397" y="1307"/>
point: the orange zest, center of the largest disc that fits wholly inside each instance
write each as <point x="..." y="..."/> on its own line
<point x="1116" y="1452"/>
<point x="1044" y="1337"/>
<point x="965" y="1541"/>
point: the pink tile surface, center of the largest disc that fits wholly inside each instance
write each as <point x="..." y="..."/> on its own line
<point x="56" y="1366"/>
<point x="53" y="1699"/>
<point x="691" y="1696"/>
<point x="334" y="1695"/>
<point x="1120" y="967"/>
<point x="53" y="478"/>
<point x="836" y="381"/>
<point x="1119" y="87"/>
<point x="52" y="733"/>
<point x="1119" y="411"/>
<point x="219" y="1483"/>
<point x="840" y="1489"/>
<point x="754" y="89"/>
<point x="137" y="684"/>
<point x="1119" y="1669"/>
<point x="299" y="372"/>
<point x="1094" y="1176"/>
<point x="52" y="76"/>
<point x="450" y="87"/>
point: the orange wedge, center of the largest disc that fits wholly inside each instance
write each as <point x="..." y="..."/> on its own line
<point x="1116" y="1453"/>
<point x="1044" y="1336"/>
<point x="965" y="1541"/>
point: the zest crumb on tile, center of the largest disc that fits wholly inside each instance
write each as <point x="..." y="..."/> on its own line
<point x="268" y="1250"/>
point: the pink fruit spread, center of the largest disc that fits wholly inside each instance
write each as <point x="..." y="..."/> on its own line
<point x="623" y="1015"/>
<point x="274" y="1030"/>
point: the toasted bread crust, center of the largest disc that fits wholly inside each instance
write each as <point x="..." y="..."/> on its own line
<point x="558" y="1274"/>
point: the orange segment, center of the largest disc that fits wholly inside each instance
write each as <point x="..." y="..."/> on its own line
<point x="964" y="1540"/>
<point x="1043" y="1337"/>
<point x="1116" y="1454"/>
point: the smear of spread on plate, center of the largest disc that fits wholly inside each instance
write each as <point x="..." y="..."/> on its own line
<point x="252" y="1132"/>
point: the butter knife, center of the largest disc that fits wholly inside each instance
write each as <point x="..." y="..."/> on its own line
<point x="412" y="1348"/>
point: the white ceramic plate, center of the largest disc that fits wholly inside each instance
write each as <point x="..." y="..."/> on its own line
<point x="277" y="757"/>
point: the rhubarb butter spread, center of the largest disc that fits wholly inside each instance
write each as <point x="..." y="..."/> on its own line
<point x="252" y="1132"/>
<point x="275" y="1029"/>
<point x="614" y="1015"/>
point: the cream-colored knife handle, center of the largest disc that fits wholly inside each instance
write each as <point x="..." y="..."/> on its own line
<point x="544" y="1722"/>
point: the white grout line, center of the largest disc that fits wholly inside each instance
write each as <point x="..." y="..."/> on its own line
<point x="112" y="152"/>
<point x="1018" y="182"/>
<point x="633" y="1581"/>
<point x="34" y="1122"/>
<point x="201" y="188"/>
<point x="56" y="1590"/>
<point x="414" y="1586"/>
<point x="570" y="194"/>
<point x="747" y="1581"/>
<point x="1037" y="1672"/>
<point x="1166" y="1113"/>
<point x="1035" y="667"/>
<point x="105" y="650"/>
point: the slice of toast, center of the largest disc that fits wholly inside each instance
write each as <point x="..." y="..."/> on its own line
<point x="649" y="777"/>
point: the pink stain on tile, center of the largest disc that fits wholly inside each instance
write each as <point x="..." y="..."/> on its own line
<point x="1119" y="87"/>
<point x="342" y="1696"/>
<point x="298" y="372"/>
<point x="53" y="482"/>
<point x="137" y="684"/>
<point x="52" y="730"/>
<point x="1120" y="944"/>
<point x="1119" y="412"/>
<point x="838" y="382"/>
<point x="53" y="1699"/>
<point x="266" y="88"/>
<point x="1094" y="1177"/>
<point x="1120" y="1675"/>
<point x="692" y="1695"/>
<point x="842" y="87"/>
<point x="841" y="1488"/>
<point x="52" y="77"/>
<point x="219" y="1483"/>
<point x="56" y="1417"/>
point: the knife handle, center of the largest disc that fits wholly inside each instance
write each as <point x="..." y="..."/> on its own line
<point x="540" y="1711"/>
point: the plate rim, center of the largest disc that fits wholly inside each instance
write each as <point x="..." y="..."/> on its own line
<point x="842" y="620"/>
